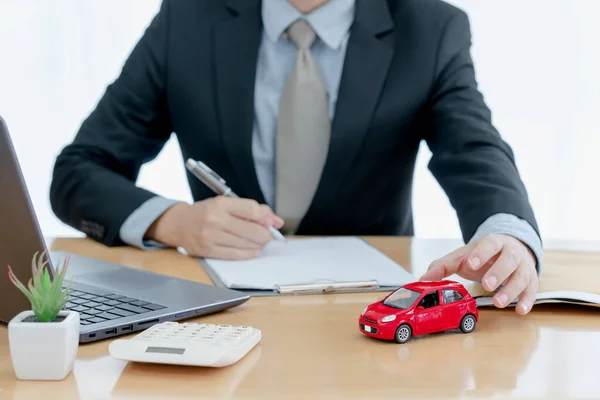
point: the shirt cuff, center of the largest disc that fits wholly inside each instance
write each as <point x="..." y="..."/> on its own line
<point x="508" y="224"/>
<point x="137" y="224"/>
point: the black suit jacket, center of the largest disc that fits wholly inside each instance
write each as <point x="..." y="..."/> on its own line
<point x="408" y="76"/>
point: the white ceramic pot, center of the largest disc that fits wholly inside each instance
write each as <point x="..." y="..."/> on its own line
<point x="43" y="350"/>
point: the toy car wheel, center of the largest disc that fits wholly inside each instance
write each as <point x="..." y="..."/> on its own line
<point x="467" y="325"/>
<point x="403" y="333"/>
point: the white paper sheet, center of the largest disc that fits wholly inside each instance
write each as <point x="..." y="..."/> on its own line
<point x="309" y="261"/>
<point x="558" y="296"/>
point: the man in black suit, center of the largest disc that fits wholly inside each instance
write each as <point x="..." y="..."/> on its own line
<point x="313" y="112"/>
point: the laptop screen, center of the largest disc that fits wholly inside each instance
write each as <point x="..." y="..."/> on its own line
<point x="20" y="235"/>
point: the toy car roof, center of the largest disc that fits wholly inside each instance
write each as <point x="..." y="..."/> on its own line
<point x="421" y="286"/>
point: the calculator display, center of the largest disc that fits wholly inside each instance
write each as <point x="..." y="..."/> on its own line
<point x="164" y="350"/>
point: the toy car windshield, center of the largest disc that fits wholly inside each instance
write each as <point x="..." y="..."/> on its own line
<point x="402" y="299"/>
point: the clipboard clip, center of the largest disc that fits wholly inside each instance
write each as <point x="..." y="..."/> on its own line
<point x="329" y="287"/>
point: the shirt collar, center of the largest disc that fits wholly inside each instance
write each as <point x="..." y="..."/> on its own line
<point x="331" y="21"/>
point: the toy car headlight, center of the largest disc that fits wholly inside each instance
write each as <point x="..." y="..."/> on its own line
<point x="388" y="318"/>
<point x="365" y="310"/>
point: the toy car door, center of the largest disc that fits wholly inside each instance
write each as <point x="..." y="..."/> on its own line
<point x="429" y="316"/>
<point x="454" y="308"/>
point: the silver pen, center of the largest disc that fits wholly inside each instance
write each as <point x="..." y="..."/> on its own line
<point x="218" y="185"/>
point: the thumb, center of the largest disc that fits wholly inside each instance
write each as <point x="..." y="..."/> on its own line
<point x="278" y="221"/>
<point x="447" y="265"/>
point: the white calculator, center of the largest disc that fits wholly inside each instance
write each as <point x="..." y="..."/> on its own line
<point x="203" y="345"/>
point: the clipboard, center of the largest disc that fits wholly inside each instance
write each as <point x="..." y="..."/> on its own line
<point x="367" y="268"/>
<point x="302" y="289"/>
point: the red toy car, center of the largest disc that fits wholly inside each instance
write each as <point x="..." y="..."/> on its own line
<point x="419" y="308"/>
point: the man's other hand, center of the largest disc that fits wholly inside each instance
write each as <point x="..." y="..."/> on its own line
<point x="219" y="227"/>
<point x="497" y="261"/>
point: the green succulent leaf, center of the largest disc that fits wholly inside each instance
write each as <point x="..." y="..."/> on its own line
<point x="19" y="285"/>
<point x="59" y="277"/>
<point x="34" y="264"/>
<point x="37" y="297"/>
<point x="46" y="281"/>
<point x="37" y="278"/>
<point x="45" y="287"/>
<point x="63" y="301"/>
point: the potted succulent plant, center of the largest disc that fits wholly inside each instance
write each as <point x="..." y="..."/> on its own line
<point x="44" y="340"/>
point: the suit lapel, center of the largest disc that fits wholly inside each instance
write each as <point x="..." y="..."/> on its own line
<point x="237" y="42"/>
<point x="368" y="57"/>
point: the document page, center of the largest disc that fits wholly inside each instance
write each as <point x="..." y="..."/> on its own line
<point x="312" y="261"/>
<point x="553" y="297"/>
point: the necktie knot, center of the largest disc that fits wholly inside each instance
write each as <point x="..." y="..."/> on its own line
<point x="302" y="34"/>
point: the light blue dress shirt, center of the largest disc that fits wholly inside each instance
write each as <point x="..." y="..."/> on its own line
<point x="332" y="23"/>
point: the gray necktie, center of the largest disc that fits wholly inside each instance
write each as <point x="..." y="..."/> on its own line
<point x="303" y="131"/>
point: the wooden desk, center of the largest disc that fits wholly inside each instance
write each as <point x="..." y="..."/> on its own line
<point x="311" y="348"/>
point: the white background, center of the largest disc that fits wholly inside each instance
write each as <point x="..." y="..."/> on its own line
<point x="538" y="64"/>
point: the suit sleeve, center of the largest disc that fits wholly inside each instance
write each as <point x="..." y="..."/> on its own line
<point x="93" y="185"/>
<point x="470" y="161"/>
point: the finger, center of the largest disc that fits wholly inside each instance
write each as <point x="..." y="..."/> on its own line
<point x="486" y="249"/>
<point x="228" y="253"/>
<point x="277" y="222"/>
<point x="447" y="265"/>
<point x="250" y="210"/>
<point x="527" y="298"/>
<point x="435" y="273"/>
<point x="247" y="230"/>
<point x="513" y="288"/>
<point x="505" y="265"/>
<point x="227" y="239"/>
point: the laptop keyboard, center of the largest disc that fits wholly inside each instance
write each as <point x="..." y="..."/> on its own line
<point x="94" y="308"/>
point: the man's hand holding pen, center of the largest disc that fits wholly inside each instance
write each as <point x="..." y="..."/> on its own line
<point x="220" y="227"/>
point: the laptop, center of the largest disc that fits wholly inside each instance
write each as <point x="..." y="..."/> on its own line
<point x="112" y="299"/>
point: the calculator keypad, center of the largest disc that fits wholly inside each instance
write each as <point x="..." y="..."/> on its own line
<point x="225" y="335"/>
